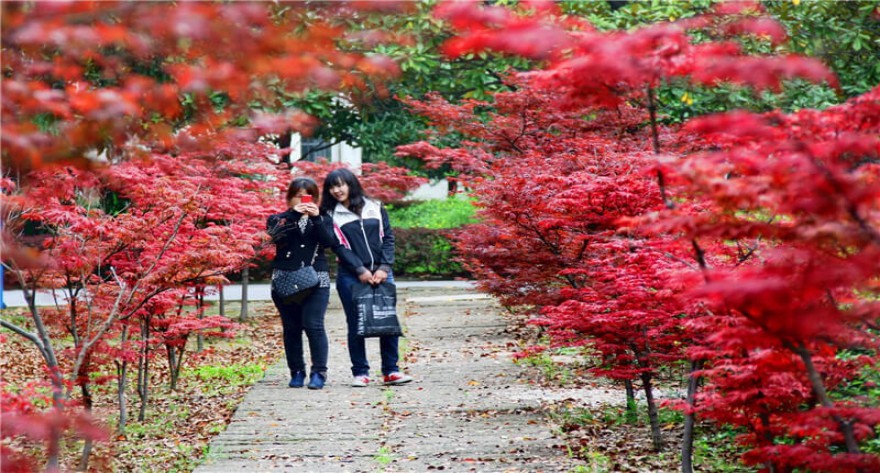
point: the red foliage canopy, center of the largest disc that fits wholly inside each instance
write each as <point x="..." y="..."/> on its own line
<point x="103" y="75"/>
<point x="780" y="221"/>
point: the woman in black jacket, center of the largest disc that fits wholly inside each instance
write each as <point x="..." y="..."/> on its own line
<point x="300" y="236"/>
<point x="365" y="245"/>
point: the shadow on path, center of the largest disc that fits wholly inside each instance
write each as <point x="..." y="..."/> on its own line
<point x="468" y="410"/>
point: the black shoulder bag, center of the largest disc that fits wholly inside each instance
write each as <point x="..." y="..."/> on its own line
<point x="295" y="285"/>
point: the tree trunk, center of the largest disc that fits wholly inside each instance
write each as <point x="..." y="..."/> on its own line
<point x="200" y="313"/>
<point x="284" y="141"/>
<point x="631" y="406"/>
<point x="172" y="366"/>
<point x="83" y="381"/>
<point x="53" y="447"/>
<point x="451" y="187"/>
<point x="44" y="343"/>
<point x="175" y="364"/>
<point x="652" y="114"/>
<point x="180" y="352"/>
<point x="53" y="441"/>
<point x="86" y="453"/>
<point x="88" y="402"/>
<point x="245" y="279"/>
<point x="690" y="419"/>
<point x="140" y="375"/>
<point x="122" y="380"/>
<point x="765" y="423"/>
<point x="121" y="384"/>
<point x="852" y="446"/>
<point x="144" y="370"/>
<point x="653" y="417"/>
<point x="222" y="301"/>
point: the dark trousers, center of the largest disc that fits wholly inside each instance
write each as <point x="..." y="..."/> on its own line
<point x="307" y="317"/>
<point x="357" y="348"/>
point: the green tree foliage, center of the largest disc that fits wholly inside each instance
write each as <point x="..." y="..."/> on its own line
<point x="376" y="120"/>
<point x="845" y="35"/>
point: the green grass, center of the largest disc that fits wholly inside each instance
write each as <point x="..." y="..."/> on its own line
<point x="552" y="371"/>
<point x="226" y="378"/>
<point x="237" y="374"/>
<point x="384" y="456"/>
<point x="717" y="452"/>
<point x="576" y="416"/>
<point x="157" y="423"/>
<point x="231" y="309"/>
<point x="177" y="457"/>
<point x="17" y="316"/>
<point x="598" y="463"/>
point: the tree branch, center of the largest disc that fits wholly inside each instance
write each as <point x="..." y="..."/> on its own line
<point x="24" y="333"/>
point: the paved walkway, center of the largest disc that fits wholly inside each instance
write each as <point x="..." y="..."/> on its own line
<point x="468" y="410"/>
<point x="232" y="292"/>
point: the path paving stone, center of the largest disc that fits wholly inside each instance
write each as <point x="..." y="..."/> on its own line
<point x="465" y="412"/>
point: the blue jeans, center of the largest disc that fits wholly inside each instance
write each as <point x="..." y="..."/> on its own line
<point x="357" y="349"/>
<point x="307" y="317"/>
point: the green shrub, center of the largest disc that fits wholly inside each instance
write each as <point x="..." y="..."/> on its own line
<point x="419" y="253"/>
<point x="450" y="213"/>
<point x="421" y="231"/>
<point x="424" y="252"/>
<point x="422" y="247"/>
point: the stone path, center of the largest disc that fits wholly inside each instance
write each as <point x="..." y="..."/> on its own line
<point x="468" y="410"/>
<point x="232" y="292"/>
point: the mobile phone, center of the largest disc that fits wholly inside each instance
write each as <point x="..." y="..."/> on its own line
<point x="306" y="199"/>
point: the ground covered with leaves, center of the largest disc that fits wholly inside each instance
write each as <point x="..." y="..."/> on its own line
<point x="178" y="424"/>
<point x="609" y="439"/>
<point x="590" y="417"/>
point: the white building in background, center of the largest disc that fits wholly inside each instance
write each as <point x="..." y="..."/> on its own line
<point x="436" y="190"/>
<point x="311" y="149"/>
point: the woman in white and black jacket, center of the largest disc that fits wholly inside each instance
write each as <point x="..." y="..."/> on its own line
<point x="365" y="246"/>
<point x="300" y="236"/>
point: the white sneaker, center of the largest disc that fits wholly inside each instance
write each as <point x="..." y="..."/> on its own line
<point x="396" y="378"/>
<point x="360" y="381"/>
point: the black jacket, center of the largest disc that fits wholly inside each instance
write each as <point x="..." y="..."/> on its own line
<point x="365" y="241"/>
<point x="294" y="244"/>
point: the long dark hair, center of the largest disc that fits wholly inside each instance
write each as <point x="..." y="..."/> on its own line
<point x="356" y="193"/>
<point x="307" y="183"/>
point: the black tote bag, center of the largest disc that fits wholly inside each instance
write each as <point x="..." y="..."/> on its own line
<point x="377" y="310"/>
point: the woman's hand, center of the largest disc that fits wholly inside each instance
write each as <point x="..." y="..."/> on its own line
<point x="379" y="277"/>
<point x="366" y="277"/>
<point x="308" y="209"/>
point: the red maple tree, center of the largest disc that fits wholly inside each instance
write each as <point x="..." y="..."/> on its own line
<point x="585" y="223"/>
<point x="112" y="239"/>
<point x="796" y="323"/>
<point x="130" y="250"/>
<point x="149" y="112"/>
